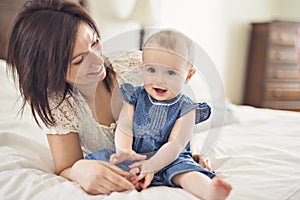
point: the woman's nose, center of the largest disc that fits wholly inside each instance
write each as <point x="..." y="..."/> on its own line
<point x="96" y="58"/>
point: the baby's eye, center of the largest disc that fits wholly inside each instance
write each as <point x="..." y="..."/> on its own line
<point x="151" y="70"/>
<point x="171" y="72"/>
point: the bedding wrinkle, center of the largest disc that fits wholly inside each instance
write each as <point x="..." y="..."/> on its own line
<point x="294" y="193"/>
<point x="18" y="152"/>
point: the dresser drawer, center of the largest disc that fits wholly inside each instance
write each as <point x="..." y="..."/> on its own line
<point x="282" y="55"/>
<point x="277" y="84"/>
<point x="282" y="94"/>
<point x="283" y="33"/>
<point x="283" y="74"/>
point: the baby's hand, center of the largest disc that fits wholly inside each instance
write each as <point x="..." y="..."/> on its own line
<point x="132" y="177"/>
<point x="145" y="179"/>
<point x="145" y="172"/>
<point x="123" y="155"/>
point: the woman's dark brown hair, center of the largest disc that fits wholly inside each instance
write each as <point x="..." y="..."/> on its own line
<point x="40" y="51"/>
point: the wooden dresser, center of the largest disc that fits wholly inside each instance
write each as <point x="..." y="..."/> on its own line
<point x="272" y="77"/>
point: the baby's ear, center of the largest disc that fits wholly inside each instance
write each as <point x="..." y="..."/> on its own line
<point x="191" y="73"/>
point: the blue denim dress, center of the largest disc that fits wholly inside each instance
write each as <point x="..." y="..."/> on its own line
<point x="152" y="125"/>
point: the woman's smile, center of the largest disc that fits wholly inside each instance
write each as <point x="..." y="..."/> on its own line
<point x="96" y="73"/>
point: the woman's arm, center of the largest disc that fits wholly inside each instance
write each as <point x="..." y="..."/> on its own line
<point x="95" y="177"/>
<point x="65" y="150"/>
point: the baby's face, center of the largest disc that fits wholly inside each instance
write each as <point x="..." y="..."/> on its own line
<point x="164" y="73"/>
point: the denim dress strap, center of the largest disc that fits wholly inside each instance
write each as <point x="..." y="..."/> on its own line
<point x="203" y="110"/>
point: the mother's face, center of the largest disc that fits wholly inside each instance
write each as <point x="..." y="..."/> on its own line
<point x="87" y="65"/>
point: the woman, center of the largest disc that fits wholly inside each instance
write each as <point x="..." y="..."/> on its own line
<point x="55" y="53"/>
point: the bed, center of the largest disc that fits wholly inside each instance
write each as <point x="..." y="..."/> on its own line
<point x="258" y="153"/>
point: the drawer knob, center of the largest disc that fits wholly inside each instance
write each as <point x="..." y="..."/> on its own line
<point x="277" y="93"/>
<point x="279" y="56"/>
<point x="278" y="74"/>
<point x="282" y="37"/>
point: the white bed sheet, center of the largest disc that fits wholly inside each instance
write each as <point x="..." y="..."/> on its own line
<point x="262" y="153"/>
<point x="259" y="155"/>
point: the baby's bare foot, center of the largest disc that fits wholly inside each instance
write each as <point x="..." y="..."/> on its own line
<point x="219" y="189"/>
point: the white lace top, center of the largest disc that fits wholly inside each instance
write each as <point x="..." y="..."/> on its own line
<point x="79" y="119"/>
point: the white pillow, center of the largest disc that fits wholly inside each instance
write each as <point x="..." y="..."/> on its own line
<point x="10" y="104"/>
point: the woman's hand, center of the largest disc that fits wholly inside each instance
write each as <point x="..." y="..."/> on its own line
<point x="98" y="177"/>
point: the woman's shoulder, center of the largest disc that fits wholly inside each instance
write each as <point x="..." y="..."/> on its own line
<point x="59" y="100"/>
<point x="62" y="110"/>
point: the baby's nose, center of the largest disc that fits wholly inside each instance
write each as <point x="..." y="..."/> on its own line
<point x="159" y="78"/>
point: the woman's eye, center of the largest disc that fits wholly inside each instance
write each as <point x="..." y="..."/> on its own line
<point x="78" y="61"/>
<point x="95" y="42"/>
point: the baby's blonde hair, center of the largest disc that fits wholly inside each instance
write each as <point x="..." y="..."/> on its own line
<point x="174" y="42"/>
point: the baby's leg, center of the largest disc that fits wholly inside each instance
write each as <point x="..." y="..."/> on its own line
<point x="202" y="186"/>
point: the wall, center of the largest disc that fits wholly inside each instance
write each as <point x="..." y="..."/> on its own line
<point x="287" y="9"/>
<point x="221" y="28"/>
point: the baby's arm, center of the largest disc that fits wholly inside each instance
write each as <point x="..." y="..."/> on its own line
<point x="124" y="133"/>
<point x="179" y="137"/>
<point x="124" y="137"/>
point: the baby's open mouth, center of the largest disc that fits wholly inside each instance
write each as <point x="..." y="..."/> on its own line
<point x="159" y="90"/>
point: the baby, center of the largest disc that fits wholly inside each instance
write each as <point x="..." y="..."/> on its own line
<point x="157" y="120"/>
